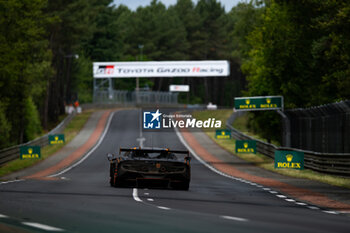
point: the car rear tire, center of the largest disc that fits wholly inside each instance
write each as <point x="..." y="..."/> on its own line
<point x="111" y="181"/>
<point x="114" y="182"/>
<point x="182" y="186"/>
<point x="185" y="186"/>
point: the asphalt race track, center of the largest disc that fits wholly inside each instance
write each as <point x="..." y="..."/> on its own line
<point x="81" y="200"/>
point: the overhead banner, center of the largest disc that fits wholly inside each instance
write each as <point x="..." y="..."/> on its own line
<point x="149" y="69"/>
<point x="179" y="88"/>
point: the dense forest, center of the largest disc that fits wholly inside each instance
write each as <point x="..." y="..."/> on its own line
<point x="298" y="49"/>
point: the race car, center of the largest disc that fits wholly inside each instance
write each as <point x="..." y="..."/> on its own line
<point x="150" y="167"/>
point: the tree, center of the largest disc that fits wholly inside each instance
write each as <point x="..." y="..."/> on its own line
<point x="74" y="28"/>
<point x="243" y="19"/>
<point x="300" y="51"/>
<point x="210" y="43"/>
<point x="161" y="33"/>
<point x="108" y="41"/>
<point x="331" y="51"/>
<point x="24" y="54"/>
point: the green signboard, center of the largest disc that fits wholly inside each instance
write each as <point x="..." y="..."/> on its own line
<point x="223" y="134"/>
<point x="56" y="139"/>
<point x="289" y="159"/>
<point x="245" y="146"/>
<point x="258" y="103"/>
<point x="30" y="152"/>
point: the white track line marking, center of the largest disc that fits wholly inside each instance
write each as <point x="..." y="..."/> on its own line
<point x="91" y="151"/>
<point x="266" y="189"/>
<point x="273" y="192"/>
<point x="163" y="207"/>
<point x="281" y="196"/>
<point x="11" y="181"/>
<point x="3" y="216"/>
<point x="300" y="203"/>
<point x="290" y="200"/>
<point x="42" y="226"/>
<point x="135" y="196"/>
<point x="313" y="207"/>
<point x="330" y="212"/>
<point x="234" y="218"/>
<point x="147" y="194"/>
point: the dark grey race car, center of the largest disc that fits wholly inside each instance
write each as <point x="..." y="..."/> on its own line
<point x="150" y="167"/>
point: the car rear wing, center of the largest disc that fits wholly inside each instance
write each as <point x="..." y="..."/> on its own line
<point x="186" y="152"/>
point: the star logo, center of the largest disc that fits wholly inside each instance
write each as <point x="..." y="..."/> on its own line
<point x="156" y="115"/>
<point x="151" y="120"/>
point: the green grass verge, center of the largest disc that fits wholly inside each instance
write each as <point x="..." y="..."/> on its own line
<point x="260" y="159"/>
<point x="241" y="124"/>
<point x="70" y="132"/>
<point x="221" y="114"/>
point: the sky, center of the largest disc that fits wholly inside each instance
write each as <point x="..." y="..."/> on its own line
<point x="133" y="4"/>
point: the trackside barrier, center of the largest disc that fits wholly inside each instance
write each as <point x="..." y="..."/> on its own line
<point x="331" y="163"/>
<point x="133" y="97"/>
<point x="12" y="153"/>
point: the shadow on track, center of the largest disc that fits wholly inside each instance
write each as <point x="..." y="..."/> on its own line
<point x="191" y="200"/>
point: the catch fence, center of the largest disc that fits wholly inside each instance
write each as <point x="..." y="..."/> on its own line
<point x="324" y="129"/>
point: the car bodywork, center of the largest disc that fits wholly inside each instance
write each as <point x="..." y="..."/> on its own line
<point x="150" y="167"/>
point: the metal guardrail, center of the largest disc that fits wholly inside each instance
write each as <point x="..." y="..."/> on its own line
<point x="12" y="153"/>
<point x="332" y="163"/>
